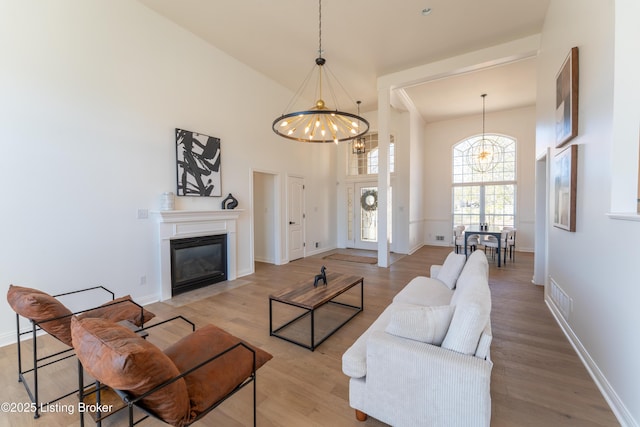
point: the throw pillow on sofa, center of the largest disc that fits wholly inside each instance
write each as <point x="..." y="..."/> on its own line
<point x="424" y="324"/>
<point x="451" y="269"/>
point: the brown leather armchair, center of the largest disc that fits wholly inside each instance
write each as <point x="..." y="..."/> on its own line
<point x="179" y="385"/>
<point x="46" y="312"/>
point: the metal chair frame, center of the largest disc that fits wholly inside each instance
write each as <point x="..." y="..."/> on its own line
<point x="57" y="357"/>
<point x="133" y="402"/>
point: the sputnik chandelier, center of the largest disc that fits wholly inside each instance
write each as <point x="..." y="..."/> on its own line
<point x="484" y="154"/>
<point x="320" y="123"/>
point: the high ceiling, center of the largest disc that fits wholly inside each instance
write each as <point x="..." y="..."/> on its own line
<point x="365" y="39"/>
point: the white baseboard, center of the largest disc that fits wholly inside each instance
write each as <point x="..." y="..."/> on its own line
<point x="617" y="406"/>
<point x="265" y="260"/>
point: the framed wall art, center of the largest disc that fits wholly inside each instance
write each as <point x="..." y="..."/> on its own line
<point x="565" y="173"/>
<point x="198" y="164"/>
<point x="567" y="99"/>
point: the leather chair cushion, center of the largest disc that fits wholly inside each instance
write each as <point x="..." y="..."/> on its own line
<point x="119" y="358"/>
<point x="213" y="381"/>
<point x="119" y="309"/>
<point x="39" y="307"/>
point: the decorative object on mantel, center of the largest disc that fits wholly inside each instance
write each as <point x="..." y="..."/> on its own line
<point x="319" y="123"/>
<point x="567" y="99"/>
<point x="565" y="173"/>
<point x="230" y="202"/>
<point x="198" y="164"/>
<point x="484" y="154"/>
<point x="167" y="201"/>
<point x="322" y="276"/>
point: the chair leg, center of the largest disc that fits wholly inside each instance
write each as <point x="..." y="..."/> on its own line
<point x="254" y="393"/>
<point x="36" y="413"/>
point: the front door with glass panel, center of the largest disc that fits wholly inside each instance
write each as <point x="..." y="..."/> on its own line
<point x="363" y="207"/>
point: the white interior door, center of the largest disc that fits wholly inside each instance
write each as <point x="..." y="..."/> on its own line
<point x="295" y="197"/>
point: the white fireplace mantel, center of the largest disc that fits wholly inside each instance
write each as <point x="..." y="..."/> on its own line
<point x="181" y="224"/>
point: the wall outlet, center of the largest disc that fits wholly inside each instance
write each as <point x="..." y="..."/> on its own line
<point x="143" y="280"/>
<point x="143" y="213"/>
<point x="317" y="244"/>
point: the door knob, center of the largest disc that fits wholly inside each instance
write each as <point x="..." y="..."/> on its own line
<point x="291" y="222"/>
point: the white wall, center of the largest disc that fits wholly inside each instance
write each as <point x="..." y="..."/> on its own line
<point x="91" y="94"/>
<point x="418" y="182"/>
<point x="595" y="266"/>
<point x="441" y="136"/>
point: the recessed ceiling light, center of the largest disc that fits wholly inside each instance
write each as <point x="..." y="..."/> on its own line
<point x="426" y="11"/>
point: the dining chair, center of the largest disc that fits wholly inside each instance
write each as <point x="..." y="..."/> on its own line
<point x="458" y="237"/>
<point x="492" y="242"/>
<point x="511" y="242"/>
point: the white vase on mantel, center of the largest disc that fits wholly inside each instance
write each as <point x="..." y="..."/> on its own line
<point x="167" y="201"/>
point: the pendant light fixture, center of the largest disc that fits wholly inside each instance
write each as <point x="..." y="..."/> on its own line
<point x="358" y="144"/>
<point x="320" y="123"/>
<point x="483" y="155"/>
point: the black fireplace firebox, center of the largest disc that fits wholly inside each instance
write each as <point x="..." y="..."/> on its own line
<point x="198" y="262"/>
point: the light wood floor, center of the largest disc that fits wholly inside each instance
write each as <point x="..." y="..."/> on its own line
<point x="537" y="379"/>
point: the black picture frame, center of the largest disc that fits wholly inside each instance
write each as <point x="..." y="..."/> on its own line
<point x="197" y="164"/>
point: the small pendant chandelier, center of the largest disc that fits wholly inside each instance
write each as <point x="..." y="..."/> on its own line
<point x="319" y="123"/>
<point x="484" y="154"/>
<point x="358" y="144"/>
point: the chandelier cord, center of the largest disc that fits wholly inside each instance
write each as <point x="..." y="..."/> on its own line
<point x="320" y="28"/>
<point x="484" y="99"/>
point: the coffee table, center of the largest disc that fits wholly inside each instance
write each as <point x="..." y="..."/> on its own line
<point x="310" y="300"/>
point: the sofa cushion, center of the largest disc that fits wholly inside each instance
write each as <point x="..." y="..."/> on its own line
<point x="122" y="308"/>
<point x="119" y="358"/>
<point x="451" y="268"/>
<point x="475" y="271"/>
<point x="354" y="360"/>
<point x="424" y="291"/>
<point x="208" y="384"/>
<point x="40" y="307"/>
<point x="424" y="324"/>
<point x="472" y="301"/>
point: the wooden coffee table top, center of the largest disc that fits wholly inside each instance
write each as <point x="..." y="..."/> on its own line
<point x="305" y="295"/>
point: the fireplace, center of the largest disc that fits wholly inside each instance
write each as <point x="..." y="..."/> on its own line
<point x="198" y="262"/>
<point x="187" y="224"/>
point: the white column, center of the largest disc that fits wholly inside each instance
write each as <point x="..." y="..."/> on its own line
<point x="384" y="177"/>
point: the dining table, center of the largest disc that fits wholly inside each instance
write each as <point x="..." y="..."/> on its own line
<point x="489" y="231"/>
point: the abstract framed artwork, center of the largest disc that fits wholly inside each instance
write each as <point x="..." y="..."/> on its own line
<point x="198" y="164"/>
<point x="567" y="99"/>
<point x="565" y="172"/>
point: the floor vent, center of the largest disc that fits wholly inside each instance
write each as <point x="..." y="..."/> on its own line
<point x="561" y="300"/>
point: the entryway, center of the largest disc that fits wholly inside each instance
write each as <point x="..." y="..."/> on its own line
<point x="362" y="200"/>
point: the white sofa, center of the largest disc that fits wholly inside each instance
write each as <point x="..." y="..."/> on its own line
<point x="425" y="360"/>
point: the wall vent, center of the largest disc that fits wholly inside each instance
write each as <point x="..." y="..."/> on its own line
<point x="561" y="300"/>
<point x="441" y="238"/>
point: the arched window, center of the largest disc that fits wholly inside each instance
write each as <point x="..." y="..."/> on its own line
<point x="484" y="197"/>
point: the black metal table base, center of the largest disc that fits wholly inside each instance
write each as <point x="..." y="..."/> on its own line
<point x="312" y="312"/>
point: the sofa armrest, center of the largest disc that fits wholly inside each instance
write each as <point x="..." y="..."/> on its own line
<point x="434" y="270"/>
<point x="414" y="383"/>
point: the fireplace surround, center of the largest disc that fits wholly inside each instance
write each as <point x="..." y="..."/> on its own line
<point x="184" y="224"/>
